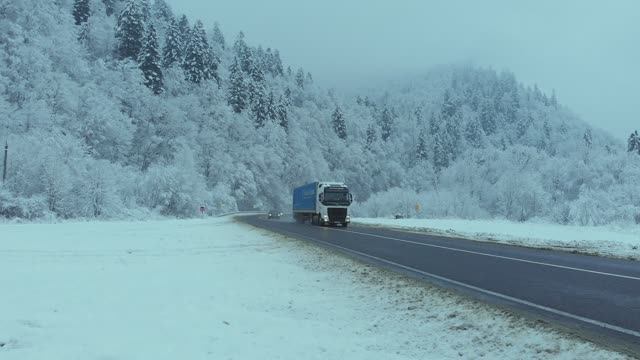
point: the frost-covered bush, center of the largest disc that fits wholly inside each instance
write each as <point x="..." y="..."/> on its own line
<point x="24" y="208"/>
<point x="174" y="190"/>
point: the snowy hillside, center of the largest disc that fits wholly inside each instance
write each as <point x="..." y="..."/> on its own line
<point x="202" y="289"/>
<point x="115" y="108"/>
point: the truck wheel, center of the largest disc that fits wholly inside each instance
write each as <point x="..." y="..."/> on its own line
<point x="345" y="224"/>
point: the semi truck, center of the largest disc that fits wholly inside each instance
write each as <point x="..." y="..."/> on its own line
<point x="322" y="203"/>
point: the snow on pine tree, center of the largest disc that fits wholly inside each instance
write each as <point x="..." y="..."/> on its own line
<point x="130" y="31"/>
<point x="218" y="37"/>
<point x="422" y="150"/>
<point x="386" y="124"/>
<point x="184" y="31"/>
<point x="371" y="136"/>
<point x="109" y="6"/>
<point x="172" y="52"/>
<point x="199" y="62"/>
<point x="146" y="10"/>
<point x="237" y="92"/>
<point x="162" y="11"/>
<point x="338" y="123"/>
<point x="243" y="53"/>
<point x="277" y="64"/>
<point x="283" y="111"/>
<point x="272" y="107"/>
<point x="300" y="78"/>
<point x="81" y="11"/>
<point x="633" y="144"/>
<point x="149" y="61"/>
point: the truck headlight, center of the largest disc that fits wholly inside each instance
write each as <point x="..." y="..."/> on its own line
<point x="325" y="217"/>
<point x="347" y="218"/>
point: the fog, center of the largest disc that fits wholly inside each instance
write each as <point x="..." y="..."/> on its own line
<point x="588" y="51"/>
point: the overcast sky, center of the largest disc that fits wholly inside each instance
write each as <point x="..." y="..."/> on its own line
<point x="588" y="51"/>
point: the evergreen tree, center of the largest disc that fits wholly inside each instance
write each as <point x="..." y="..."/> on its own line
<point x="172" y="51"/>
<point x="277" y="64"/>
<point x="162" y="10"/>
<point x="440" y="152"/>
<point x="283" y="111"/>
<point x="260" y="104"/>
<point x="81" y="11"/>
<point x="422" y="152"/>
<point x="487" y="117"/>
<point x="449" y="107"/>
<point x="109" y="6"/>
<point x="146" y="10"/>
<point x="272" y="107"/>
<point x="433" y="124"/>
<point x="256" y="86"/>
<point x="237" y="95"/>
<point x="218" y="37"/>
<point x="199" y="62"/>
<point x="554" y="100"/>
<point x="588" y="138"/>
<point x="386" y="124"/>
<point x="338" y="123"/>
<point x="130" y="31"/>
<point x="300" y="78"/>
<point x="243" y="53"/>
<point x="371" y="135"/>
<point x="184" y="31"/>
<point x="473" y="133"/>
<point x="150" y="62"/>
<point x="634" y="143"/>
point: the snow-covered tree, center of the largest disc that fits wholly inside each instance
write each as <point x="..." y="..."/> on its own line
<point x="149" y="60"/>
<point x="237" y="94"/>
<point x="422" y="149"/>
<point x="338" y="123"/>
<point x="242" y="53"/>
<point x="81" y="11"/>
<point x="386" y="124"/>
<point x="199" y="62"/>
<point x="109" y="6"/>
<point x="172" y="51"/>
<point x="633" y="144"/>
<point x="300" y="78"/>
<point x="130" y="31"/>
<point x="218" y="37"/>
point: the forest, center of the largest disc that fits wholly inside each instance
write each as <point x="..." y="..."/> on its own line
<point x="123" y="108"/>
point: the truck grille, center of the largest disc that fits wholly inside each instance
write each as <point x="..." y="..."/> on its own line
<point x="337" y="214"/>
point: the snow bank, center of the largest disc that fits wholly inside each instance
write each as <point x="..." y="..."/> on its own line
<point x="212" y="288"/>
<point x="601" y="240"/>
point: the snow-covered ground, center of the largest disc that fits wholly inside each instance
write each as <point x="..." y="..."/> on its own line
<point x="623" y="242"/>
<point x="216" y="289"/>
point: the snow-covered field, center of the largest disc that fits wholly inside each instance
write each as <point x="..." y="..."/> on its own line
<point x="623" y="242"/>
<point x="216" y="289"/>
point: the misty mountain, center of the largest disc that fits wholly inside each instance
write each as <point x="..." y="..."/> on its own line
<point x="118" y="108"/>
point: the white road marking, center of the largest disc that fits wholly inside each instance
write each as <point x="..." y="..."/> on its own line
<point x="481" y="290"/>
<point x="496" y="256"/>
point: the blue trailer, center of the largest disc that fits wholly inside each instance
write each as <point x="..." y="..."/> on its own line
<point x="322" y="203"/>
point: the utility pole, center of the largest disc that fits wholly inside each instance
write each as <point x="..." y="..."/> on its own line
<point x="4" y="167"/>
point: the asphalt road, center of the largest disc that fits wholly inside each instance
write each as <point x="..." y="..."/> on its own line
<point x="595" y="297"/>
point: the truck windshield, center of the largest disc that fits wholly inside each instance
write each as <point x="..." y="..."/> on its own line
<point x="336" y="197"/>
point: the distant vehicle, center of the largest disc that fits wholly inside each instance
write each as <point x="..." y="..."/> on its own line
<point x="274" y="214"/>
<point x="322" y="203"/>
